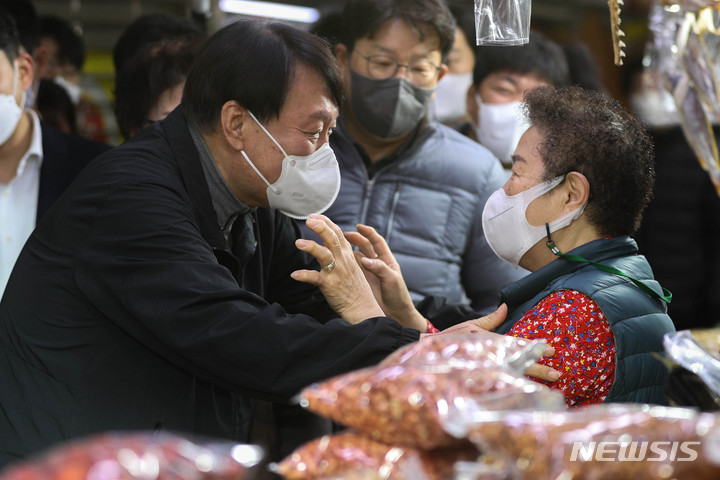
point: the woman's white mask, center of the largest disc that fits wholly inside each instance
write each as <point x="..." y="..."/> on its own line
<point x="505" y="224"/>
<point x="307" y="184"/>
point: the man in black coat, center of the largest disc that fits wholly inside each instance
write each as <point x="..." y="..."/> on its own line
<point x="37" y="163"/>
<point x="160" y="292"/>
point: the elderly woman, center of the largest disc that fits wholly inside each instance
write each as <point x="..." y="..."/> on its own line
<point x="581" y="176"/>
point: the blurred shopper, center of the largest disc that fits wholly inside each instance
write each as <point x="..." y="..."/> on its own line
<point x="55" y="107"/>
<point x="421" y="184"/>
<point x="501" y="78"/>
<point x="151" y="83"/>
<point x="449" y="104"/>
<point x="64" y="50"/>
<point x="37" y="162"/>
<point x="582" y="66"/>
<point x="150" y="28"/>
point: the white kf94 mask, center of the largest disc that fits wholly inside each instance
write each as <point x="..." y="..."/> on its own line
<point x="307" y="184"/>
<point x="505" y="224"/>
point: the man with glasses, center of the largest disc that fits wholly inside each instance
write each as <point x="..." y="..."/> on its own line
<point x="422" y="185"/>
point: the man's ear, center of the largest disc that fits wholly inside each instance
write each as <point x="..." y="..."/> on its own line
<point x="234" y="123"/>
<point x="341" y="53"/>
<point x="26" y="70"/>
<point x="443" y="70"/>
<point x="577" y="191"/>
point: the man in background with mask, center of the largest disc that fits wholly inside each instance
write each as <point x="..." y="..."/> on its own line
<point x="449" y="105"/>
<point x="37" y="162"/>
<point x="419" y="183"/>
<point x="501" y="77"/>
<point x="168" y="286"/>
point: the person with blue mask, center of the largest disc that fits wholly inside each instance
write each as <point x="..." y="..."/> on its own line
<point x="421" y="184"/>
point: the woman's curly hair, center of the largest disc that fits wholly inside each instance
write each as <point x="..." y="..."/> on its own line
<point x="591" y="133"/>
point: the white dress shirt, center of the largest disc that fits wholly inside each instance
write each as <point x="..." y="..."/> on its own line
<point x="18" y="204"/>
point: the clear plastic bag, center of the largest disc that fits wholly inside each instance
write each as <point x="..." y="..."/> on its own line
<point x="613" y="441"/>
<point x="404" y="403"/>
<point x="685" y="350"/>
<point x="139" y="456"/>
<point x="502" y="22"/>
<point x="684" y="48"/>
<point x="349" y="455"/>
<point x="485" y="349"/>
<point x="693" y="357"/>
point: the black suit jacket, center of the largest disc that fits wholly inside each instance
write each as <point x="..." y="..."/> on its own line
<point x="64" y="156"/>
<point x="143" y="323"/>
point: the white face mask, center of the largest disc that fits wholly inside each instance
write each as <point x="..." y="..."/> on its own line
<point x="505" y="225"/>
<point x="71" y="89"/>
<point x="500" y="127"/>
<point x="10" y="111"/>
<point x="306" y="185"/>
<point x="450" y="96"/>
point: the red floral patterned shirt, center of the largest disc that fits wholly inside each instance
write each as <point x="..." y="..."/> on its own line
<point x="574" y="325"/>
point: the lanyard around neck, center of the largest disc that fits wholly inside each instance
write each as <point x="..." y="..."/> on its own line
<point x="667" y="295"/>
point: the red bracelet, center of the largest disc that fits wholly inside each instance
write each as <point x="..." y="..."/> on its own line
<point x="431" y="328"/>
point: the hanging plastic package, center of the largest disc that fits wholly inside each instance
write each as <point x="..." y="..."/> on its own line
<point x="502" y="22"/>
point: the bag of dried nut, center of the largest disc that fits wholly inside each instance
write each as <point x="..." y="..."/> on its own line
<point x="406" y="404"/>
<point x="350" y="455"/>
<point x="486" y="349"/>
<point x="139" y="456"/>
<point x="613" y="441"/>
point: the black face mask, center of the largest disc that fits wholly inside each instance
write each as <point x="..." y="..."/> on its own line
<point x="388" y="108"/>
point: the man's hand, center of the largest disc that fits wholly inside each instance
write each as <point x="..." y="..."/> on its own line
<point x="341" y="280"/>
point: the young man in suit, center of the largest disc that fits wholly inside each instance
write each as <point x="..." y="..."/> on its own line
<point x="37" y="162"/>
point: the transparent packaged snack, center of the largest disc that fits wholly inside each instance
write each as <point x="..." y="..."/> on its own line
<point x="350" y="455"/>
<point x="687" y="351"/>
<point x="405" y="404"/>
<point x="486" y="349"/>
<point x="139" y="456"/>
<point x="609" y="441"/>
<point x="502" y="22"/>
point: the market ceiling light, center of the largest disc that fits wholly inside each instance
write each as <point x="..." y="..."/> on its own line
<point x="271" y="10"/>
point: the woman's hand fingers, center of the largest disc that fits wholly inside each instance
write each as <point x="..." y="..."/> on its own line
<point x="361" y="242"/>
<point x="492" y="321"/>
<point x="542" y="372"/>
<point x="379" y="245"/>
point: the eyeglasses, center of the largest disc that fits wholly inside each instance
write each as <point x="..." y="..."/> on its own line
<point x="381" y="67"/>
